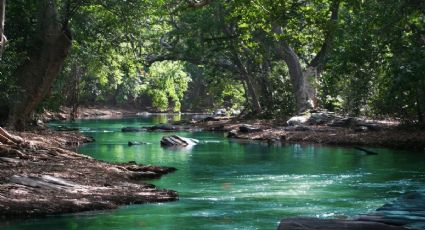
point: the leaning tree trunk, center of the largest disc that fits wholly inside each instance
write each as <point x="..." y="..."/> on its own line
<point x="2" y="18"/>
<point x="303" y="80"/>
<point x="303" y="90"/>
<point x="36" y="75"/>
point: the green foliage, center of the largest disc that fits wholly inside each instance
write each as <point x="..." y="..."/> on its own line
<point x="281" y="101"/>
<point x="167" y="82"/>
<point x="376" y="67"/>
<point x="379" y="62"/>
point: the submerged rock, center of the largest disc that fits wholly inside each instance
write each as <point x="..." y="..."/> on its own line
<point x="132" y="129"/>
<point x="131" y="143"/>
<point x="164" y="127"/>
<point x="174" y="140"/>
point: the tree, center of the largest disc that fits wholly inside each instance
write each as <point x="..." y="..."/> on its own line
<point x="2" y="18"/>
<point x="36" y="75"/>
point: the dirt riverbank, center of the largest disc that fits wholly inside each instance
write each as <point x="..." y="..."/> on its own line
<point x="373" y="134"/>
<point x="40" y="176"/>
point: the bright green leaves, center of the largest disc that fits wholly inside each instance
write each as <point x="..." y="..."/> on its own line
<point x="166" y="84"/>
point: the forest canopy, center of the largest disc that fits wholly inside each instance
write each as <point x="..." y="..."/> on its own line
<point x="267" y="58"/>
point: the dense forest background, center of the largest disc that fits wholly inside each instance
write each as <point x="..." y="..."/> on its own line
<point x="268" y="58"/>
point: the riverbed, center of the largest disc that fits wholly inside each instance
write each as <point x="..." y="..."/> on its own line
<point x="226" y="184"/>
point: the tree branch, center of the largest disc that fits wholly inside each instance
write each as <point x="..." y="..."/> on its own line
<point x="319" y="60"/>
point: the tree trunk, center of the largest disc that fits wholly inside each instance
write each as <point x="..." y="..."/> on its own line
<point x="299" y="78"/>
<point x="75" y="91"/>
<point x="2" y="18"/>
<point x="37" y="74"/>
<point x="303" y="80"/>
<point x="255" y="102"/>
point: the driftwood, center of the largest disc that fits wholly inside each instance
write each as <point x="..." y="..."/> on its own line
<point x="42" y="182"/>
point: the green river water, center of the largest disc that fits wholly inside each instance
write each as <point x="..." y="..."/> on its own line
<point x="225" y="184"/>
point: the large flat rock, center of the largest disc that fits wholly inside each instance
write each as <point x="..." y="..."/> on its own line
<point x="406" y="212"/>
<point x="306" y="223"/>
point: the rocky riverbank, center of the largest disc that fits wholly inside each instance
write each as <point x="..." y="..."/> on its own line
<point x="39" y="176"/>
<point x="319" y="129"/>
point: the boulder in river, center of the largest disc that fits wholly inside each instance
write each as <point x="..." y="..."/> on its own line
<point x="163" y="127"/>
<point x="307" y="223"/>
<point x="406" y="212"/>
<point x="131" y="143"/>
<point x="178" y="141"/>
<point x="132" y="129"/>
<point x="232" y="134"/>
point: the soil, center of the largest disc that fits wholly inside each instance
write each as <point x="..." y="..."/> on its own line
<point x="40" y="176"/>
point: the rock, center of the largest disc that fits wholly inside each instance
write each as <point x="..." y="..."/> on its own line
<point x="344" y="122"/>
<point x="163" y="127"/>
<point x="406" y="212"/>
<point x="360" y="129"/>
<point x="220" y="112"/>
<point x="235" y="112"/>
<point x="298" y="120"/>
<point x="211" y="119"/>
<point x="320" y="118"/>
<point x="249" y="129"/>
<point x="232" y="134"/>
<point x="40" y="123"/>
<point x="368" y="152"/>
<point x="307" y="223"/>
<point x="175" y="140"/>
<point x="131" y="143"/>
<point x="370" y="126"/>
<point x="61" y="116"/>
<point x="132" y="129"/>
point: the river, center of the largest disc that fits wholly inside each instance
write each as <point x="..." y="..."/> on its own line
<point x="226" y="184"/>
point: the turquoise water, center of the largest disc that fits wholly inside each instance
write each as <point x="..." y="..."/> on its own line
<point x="225" y="184"/>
